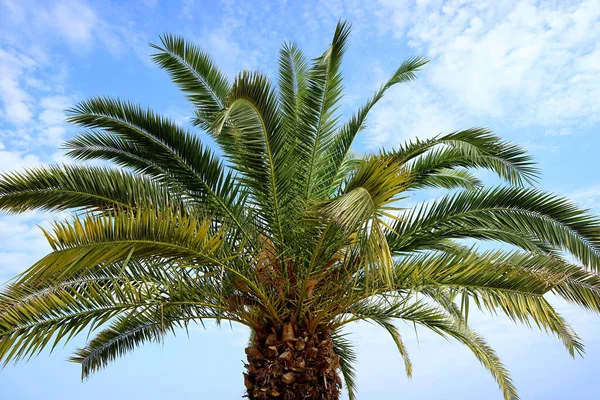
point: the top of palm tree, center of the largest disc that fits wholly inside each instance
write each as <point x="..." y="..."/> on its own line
<point x="288" y="232"/>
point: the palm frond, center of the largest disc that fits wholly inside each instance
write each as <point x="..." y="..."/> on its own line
<point x="91" y="241"/>
<point x="58" y="188"/>
<point x="123" y="335"/>
<point x="447" y="178"/>
<point x="27" y="329"/>
<point x="195" y="73"/>
<point x="99" y="145"/>
<point x="320" y="106"/>
<point x="145" y="141"/>
<point x="256" y="144"/>
<point x="397" y="338"/>
<point x="129" y="331"/>
<point x="470" y="148"/>
<point x="346" y="134"/>
<point x="443" y="324"/>
<point x="293" y="80"/>
<point x="489" y="213"/>
<point x="512" y="282"/>
<point x="363" y="208"/>
<point x="343" y="348"/>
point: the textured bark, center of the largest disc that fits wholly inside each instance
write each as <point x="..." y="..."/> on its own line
<point x="289" y="365"/>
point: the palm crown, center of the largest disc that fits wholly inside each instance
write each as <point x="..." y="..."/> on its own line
<point x="285" y="229"/>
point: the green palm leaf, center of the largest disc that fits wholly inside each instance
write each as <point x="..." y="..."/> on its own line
<point x="486" y="214"/>
<point x="75" y="187"/>
<point x="195" y="73"/>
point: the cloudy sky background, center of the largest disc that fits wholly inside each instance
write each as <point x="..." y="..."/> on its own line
<point x="529" y="70"/>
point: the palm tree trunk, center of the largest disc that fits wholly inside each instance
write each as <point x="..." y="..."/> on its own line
<point x="290" y="366"/>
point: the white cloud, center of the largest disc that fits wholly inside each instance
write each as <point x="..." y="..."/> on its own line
<point x="525" y="62"/>
<point x="53" y="109"/>
<point x="28" y="123"/>
<point x="75" y="21"/>
<point x="223" y="49"/>
<point x="588" y="197"/>
<point x="17" y="107"/>
<point x="13" y="160"/>
<point x="408" y="111"/>
<point x="558" y="132"/>
<point x="182" y="116"/>
<point x="33" y="94"/>
<point x="82" y="27"/>
<point x="27" y="243"/>
<point x="33" y="99"/>
<point x="53" y="135"/>
<point x="187" y="9"/>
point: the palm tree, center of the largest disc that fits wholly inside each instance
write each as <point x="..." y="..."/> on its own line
<point x="285" y="230"/>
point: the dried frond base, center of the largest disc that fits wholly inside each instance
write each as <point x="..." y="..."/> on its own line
<point x="292" y="367"/>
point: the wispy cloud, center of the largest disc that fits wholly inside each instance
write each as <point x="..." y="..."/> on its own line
<point x="32" y="112"/>
<point x="13" y="159"/>
<point x="408" y="111"/>
<point x="27" y="243"/>
<point x="588" y="197"/>
<point x="33" y="75"/>
<point x="16" y="102"/>
<point x="74" y="23"/>
<point x="531" y="63"/>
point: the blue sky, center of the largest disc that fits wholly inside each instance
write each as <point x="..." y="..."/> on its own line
<point x="529" y="70"/>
